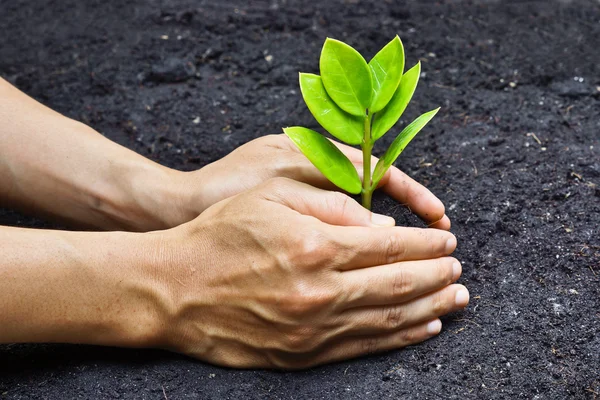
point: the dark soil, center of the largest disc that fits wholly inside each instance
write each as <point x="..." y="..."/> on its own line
<point x="514" y="154"/>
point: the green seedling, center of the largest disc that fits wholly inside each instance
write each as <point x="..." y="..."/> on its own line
<point x="357" y="102"/>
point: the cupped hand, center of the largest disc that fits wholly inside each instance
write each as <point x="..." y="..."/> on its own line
<point x="286" y="275"/>
<point x="276" y="156"/>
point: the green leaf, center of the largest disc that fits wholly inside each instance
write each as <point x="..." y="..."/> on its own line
<point x="388" y="117"/>
<point x="326" y="157"/>
<point x="346" y="76"/>
<point x="386" y="68"/>
<point x="347" y="128"/>
<point x="399" y="144"/>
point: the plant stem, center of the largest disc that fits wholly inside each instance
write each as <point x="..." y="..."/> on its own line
<point x="367" y="147"/>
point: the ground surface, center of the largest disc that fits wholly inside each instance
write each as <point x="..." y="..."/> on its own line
<point x="514" y="154"/>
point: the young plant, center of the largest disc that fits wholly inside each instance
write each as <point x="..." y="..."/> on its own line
<point x="357" y="102"/>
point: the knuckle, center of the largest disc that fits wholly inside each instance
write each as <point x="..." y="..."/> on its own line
<point x="443" y="269"/>
<point x="320" y="300"/>
<point x="439" y="304"/>
<point x="338" y="202"/>
<point x="402" y="284"/>
<point x="408" y="336"/>
<point x="277" y="142"/>
<point x="311" y="247"/>
<point x="312" y="241"/>
<point x="273" y="189"/>
<point x="315" y="248"/>
<point x="301" y="340"/>
<point x="339" y="198"/>
<point x="277" y="183"/>
<point x="306" y="300"/>
<point x="295" y="306"/>
<point x="369" y="345"/>
<point x="395" y="249"/>
<point x="393" y="317"/>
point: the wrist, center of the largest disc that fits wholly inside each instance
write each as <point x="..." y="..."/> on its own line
<point x="145" y="290"/>
<point x="184" y="196"/>
<point x="126" y="296"/>
<point x="176" y="276"/>
<point x="151" y="197"/>
<point x="134" y="193"/>
<point x="136" y="288"/>
<point x="187" y="195"/>
<point x="80" y="287"/>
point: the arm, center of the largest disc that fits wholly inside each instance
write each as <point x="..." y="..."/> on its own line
<point x="54" y="166"/>
<point x="282" y="276"/>
<point x="78" y="287"/>
<point x="61" y="168"/>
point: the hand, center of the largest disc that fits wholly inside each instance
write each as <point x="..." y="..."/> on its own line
<point x="276" y="156"/>
<point x="106" y="186"/>
<point x="286" y="275"/>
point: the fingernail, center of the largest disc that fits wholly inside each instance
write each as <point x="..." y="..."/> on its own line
<point x="448" y="219"/>
<point x="434" y="327"/>
<point x="450" y="245"/>
<point x="382" y="220"/>
<point x="462" y="298"/>
<point x="456" y="270"/>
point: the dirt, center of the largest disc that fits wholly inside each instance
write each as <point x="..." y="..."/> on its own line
<point x="514" y="154"/>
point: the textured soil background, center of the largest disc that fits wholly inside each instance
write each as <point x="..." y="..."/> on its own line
<point x="514" y="154"/>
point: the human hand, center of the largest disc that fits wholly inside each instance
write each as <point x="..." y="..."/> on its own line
<point x="276" y="156"/>
<point x="286" y="275"/>
<point x="106" y="186"/>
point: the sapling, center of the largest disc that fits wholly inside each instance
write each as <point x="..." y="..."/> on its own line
<point x="357" y="102"/>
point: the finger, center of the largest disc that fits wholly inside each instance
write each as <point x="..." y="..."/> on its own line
<point x="395" y="183"/>
<point x="356" y="346"/>
<point x="334" y="208"/>
<point x="400" y="282"/>
<point x="378" y="320"/>
<point x="360" y="247"/>
<point x="355" y="155"/>
<point x="304" y="171"/>
<point x="416" y="197"/>
<point x="443" y="223"/>
<point x="405" y="190"/>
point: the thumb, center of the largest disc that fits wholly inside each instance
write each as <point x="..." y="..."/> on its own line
<point x="333" y="208"/>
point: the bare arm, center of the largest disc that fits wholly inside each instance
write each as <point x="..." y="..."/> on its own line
<point x="257" y="280"/>
<point x="206" y="288"/>
<point x="77" y="287"/>
<point x="54" y="166"/>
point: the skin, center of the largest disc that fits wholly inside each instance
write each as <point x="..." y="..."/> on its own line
<point x="243" y="263"/>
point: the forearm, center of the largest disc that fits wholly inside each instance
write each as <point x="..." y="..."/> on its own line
<point x="80" y="287"/>
<point x="52" y="165"/>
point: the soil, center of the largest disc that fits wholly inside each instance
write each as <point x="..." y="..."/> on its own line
<point x="514" y="154"/>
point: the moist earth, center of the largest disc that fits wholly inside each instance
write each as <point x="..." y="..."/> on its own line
<point x="514" y="154"/>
